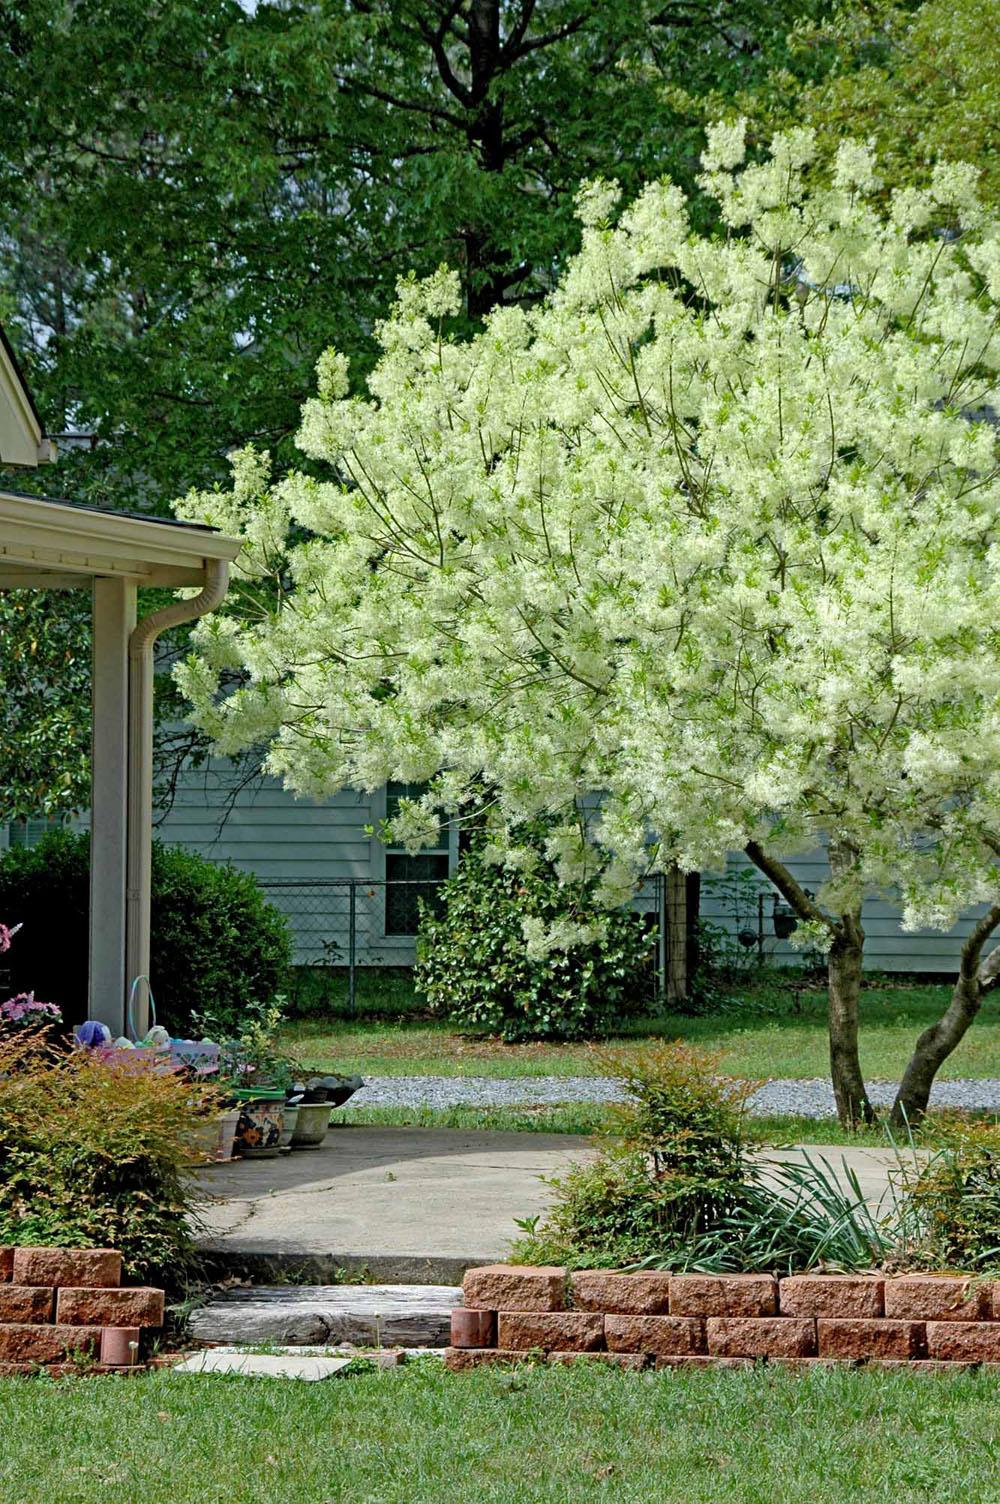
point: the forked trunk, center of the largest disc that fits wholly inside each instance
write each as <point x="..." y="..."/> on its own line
<point x="844" y="972"/>
<point x="934" y="1046"/>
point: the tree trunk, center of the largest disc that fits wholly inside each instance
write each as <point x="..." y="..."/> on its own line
<point x="844" y="970"/>
<point x="486" y="141"/>
<point x="975" y="978"/>
<point x="844" y="963"/>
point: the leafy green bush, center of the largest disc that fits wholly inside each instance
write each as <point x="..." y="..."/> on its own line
<point x="673" y="1168"/>
<point x="474" y="969"/>
<point x="98" y="1153"/>
<point x="952" y="1205"/>
<point x="675" y="1190"/>
<point x="607" y="1212"/>
<point x="216" y="943"/>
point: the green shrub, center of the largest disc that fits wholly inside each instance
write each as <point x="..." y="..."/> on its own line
<point x="98" y="1153"/>
<point x="674" y="1167"/>
<point x="473" y="968"/>
<point x="675" y="1190"/>
<point x="952" y="1201"/>
<point x="607" y="1212"/>
<point x="216" y="943"/>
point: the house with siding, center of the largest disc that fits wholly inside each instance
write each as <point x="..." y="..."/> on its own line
<point x="324" y="864"/>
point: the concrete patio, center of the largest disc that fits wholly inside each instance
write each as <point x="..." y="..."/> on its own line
<point x="412" y="1205"/>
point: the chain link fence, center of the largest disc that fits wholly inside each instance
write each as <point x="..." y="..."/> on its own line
<point x="343" y="925"/>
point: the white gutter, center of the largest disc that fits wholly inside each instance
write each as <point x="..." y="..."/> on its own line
<point x="140" y="766"/>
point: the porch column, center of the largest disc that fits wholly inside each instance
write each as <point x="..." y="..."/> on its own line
<point x="114" y="608"/>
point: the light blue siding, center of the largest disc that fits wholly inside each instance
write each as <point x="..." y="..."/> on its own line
<point x="282" y="839"/>
<point x="887" y="946"/>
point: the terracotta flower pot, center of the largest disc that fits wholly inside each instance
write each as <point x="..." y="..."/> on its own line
<point x="214" y="1136"/>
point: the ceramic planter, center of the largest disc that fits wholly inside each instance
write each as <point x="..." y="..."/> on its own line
<point x="312" y="1125"/>
<point x="291" y="1118"/>
<point x="262" y="1117"/>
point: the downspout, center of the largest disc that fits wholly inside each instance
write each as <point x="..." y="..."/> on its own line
<point x="140" y="768"/>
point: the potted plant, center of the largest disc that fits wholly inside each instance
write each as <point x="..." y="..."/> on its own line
<point x="293" y="1102"/>
<point x="258" y="1078"/>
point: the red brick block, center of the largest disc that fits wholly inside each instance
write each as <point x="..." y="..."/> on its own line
<point x="557" y="1331"/>
<point x="836" y="1295"/>
<point x="763" y="1337"/>
<point x="643" y="1294"/>
<point x="120" y="1346"/>
<point x="860" y="1338"/>
<point x="116" y="1307"/>
<point x="661" y="1336"/>
<point x="46" y="1344"/>
<point x="964" y="1341"/>
<point x="458" y="1359"/>
<point x="93" y="1267"/>
<point x="473" y="1328"/>
<point x="6" y="1263"/>
<point x="632" y="1361"/>
<point x="723" y="1295"/>
<point x="515" y="1287"/>
<point x="25" y="1303"/>
<point x="936" y="1297"/>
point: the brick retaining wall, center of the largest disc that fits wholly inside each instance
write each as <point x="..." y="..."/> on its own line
<point x="695" y="1320"/>
<point x="60" y="1306"/>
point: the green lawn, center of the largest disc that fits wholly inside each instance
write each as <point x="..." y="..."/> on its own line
<point x="591" y="1118"/>
<point x="760" y="1034"/>
<point x="538" y="1436"/>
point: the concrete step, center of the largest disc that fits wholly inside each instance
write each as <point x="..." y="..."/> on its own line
<point x="316" y="1315"/>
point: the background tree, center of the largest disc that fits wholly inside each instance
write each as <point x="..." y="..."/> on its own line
<point x="195" y="199"/>
<point x="706" y="540"/>
<point x="921" y="78"/>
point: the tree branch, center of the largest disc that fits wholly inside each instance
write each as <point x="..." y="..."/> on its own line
<point x="793" y="892"/>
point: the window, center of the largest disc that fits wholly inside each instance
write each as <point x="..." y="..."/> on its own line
<point x="30" y="832"/>
<point x="412" y="879"/>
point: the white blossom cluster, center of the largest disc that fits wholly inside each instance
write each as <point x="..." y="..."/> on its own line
<point x="707" y="543"/>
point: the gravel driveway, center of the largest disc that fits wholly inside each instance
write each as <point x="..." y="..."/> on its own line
<point x="810" y="1099"/>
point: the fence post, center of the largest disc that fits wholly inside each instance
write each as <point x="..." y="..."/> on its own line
<point x="661" y="938"/>
<point x="352" y="930"/>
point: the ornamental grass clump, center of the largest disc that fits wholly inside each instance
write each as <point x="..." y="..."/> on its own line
<point x="98" y="1152"/>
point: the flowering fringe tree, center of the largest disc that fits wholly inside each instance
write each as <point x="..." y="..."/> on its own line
<point x="705" y="545"/>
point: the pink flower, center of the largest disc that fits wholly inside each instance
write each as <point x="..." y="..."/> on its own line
<point x="29" y="1011"/>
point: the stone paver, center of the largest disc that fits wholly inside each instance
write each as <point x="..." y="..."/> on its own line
<point x="264" y="1365"/>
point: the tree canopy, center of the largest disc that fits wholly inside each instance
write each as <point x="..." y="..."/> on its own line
<point x="198" y="198"/>
<point x="707" y="537"/>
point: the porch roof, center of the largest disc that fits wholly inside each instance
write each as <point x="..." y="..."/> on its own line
<point x="49" y="543"/>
